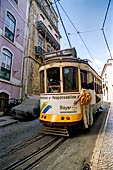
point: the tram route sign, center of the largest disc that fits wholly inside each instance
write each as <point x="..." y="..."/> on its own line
<point x="68" y="52"/>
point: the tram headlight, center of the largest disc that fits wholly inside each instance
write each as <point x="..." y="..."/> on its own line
<point x="44" y="117"/>
<point x="62" y="118"/>
<point x="68" y="118"/>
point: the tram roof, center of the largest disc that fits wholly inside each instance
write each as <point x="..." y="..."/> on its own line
<point x="67" y="55"/>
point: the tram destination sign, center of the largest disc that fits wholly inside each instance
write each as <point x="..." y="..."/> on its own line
<point x="68" y="52"/>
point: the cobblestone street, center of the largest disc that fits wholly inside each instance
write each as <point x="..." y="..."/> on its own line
<point x="102" y="158"/>
<point x="106" y="154"/>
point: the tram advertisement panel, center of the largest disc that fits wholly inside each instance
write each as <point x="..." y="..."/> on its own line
<point x="59" y="104"/>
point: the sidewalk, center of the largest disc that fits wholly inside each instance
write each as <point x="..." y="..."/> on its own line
<point x="7" y="120"/>
<point x="102" y="158"/>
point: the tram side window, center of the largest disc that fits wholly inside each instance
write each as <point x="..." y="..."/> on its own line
<point x="83" y="75"/>
<point x="42" y="87"/>
<point x="70" y="79"/>
<point x="53" y="80"/>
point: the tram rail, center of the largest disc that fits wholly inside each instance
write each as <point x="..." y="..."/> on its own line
<point x="20" y="146"/>
<point x="32" y="160"/>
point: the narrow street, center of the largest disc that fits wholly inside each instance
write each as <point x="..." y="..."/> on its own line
<point x="78" y="148"/>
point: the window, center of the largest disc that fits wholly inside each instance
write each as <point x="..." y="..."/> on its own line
<point x="42" y="16"/>
<point x="48" y="12"/>
<point x="106" y="75"/>
<point x="54" y="22"/>
<point x="42" y="3"/>
<point x="104" y="92"/>
<point x="50" y="27"/>
<point x="10" y="27"/>
<point x="70" y="79"/>
<point x="53" y="80"/>
<point x="40" y="42"/>
<point x="42" y="82"/>
<point x="16" y="1"/>
<point x="83" y="75"/>
<point x="48" y="48"/>
<point x="56" y="36"/>
<point x="5" y="64"/>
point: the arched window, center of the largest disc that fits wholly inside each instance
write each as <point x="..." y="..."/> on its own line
<point x="5" y="64"/>
<point x="10" y="26"/>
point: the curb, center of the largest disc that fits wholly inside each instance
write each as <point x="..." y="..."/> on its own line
<point x="97" y="150"/>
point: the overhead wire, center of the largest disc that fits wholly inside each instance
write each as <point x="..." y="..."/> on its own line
<point x="103" y="25"/>
<point x="88" y="31"/>
<point x="78" y="32"/>
<point x="106" y="14"/>
<point x="62" y="24"/>
<point x="107" y="43"/>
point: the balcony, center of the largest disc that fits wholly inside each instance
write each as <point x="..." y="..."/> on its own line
<point x="46" y="33"/>
<point x="39" y="51"/>
<point x="46" y="14"/>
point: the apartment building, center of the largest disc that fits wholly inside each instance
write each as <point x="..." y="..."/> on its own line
<point x="42" y="37"/>
<point x="13" y="21"/>
<point x="107" y="81"/>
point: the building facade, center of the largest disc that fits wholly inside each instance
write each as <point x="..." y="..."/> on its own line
<point x="13" y="21"/>
<point x="107" y="81"/>
<point x="42" y="37"/>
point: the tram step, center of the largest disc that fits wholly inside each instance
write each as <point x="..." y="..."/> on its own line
<point x="54" y="131"/>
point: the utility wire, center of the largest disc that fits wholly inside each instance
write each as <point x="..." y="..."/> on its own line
<point x="106" y="43"/>
<point x="106" y="14"/>
<point x="88" y="31"/>
<point x="82" y="32"/>
<point x="103" y="29"/>
<point x="78" y="32"/>
<point x="62" y="24"/>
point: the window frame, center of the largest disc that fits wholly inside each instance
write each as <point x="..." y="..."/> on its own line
<point x="77" y="89"/>
<point x="82" y="73"/>
<point x="40" y="38"/>
<point x="5" y="69"/>
<point x="50" y="76"/>
<point x="12" y="21"/>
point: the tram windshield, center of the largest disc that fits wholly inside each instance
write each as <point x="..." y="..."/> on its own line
<point x="53" y="80"/>
<point x="70" y="79"/>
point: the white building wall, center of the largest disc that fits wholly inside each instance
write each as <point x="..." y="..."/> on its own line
<point x="107" y="77"/>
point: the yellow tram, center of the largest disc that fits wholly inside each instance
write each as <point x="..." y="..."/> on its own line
<point x="70" y="92"/>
